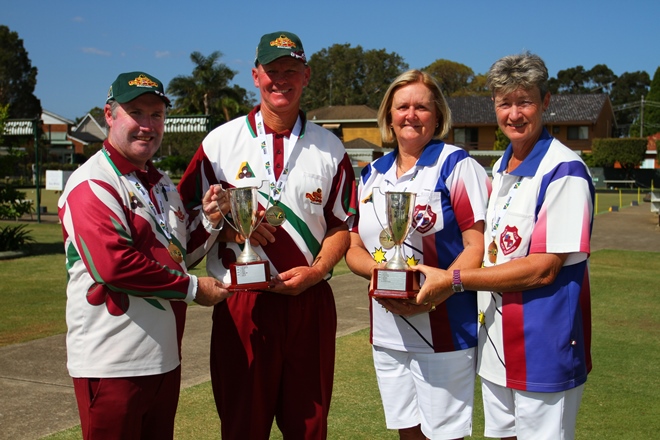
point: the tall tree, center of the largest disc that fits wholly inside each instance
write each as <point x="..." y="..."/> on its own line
<point x="626" y="96"/>
<point x="650" y="112"/>
<point x="208" y="90"/>
<point x="598" y="79"/>
<point x="454" y="78"/>
<point x="569" y="81"/>
<point x="18" y="77"/>
<point x="345" y="75"/>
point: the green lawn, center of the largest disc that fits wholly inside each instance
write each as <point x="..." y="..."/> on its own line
<point x="619" y="402"/>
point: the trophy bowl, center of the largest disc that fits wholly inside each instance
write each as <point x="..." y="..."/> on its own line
<point x="396" y="280"/>
<point x="249" y="272"/>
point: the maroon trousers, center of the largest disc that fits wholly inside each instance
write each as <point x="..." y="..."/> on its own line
<point x="128" y="408"/>
<point x="272" y="357"/>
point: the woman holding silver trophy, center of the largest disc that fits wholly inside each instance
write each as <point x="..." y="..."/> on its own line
<point x="423" y="203"/>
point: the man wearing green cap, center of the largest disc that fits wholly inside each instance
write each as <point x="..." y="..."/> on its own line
<point x="127" y="248"/>
<point x="272" y="350"/>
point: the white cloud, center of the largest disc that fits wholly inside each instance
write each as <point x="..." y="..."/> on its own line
<point x="95" y="51"/>
<point x="163" y="54"/>
<point x="78" y="19"/>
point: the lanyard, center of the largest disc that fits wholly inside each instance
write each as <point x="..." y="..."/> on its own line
<point x="276" y="186"/>
<point x="144" y="196"/>
<point x="502" y="212"/>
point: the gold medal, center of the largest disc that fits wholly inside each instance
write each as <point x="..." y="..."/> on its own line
<point x="492" y="252"/>
<point x="175" y="252"/>
<point x="386" y="239"/>
<point x="275" y="215"/>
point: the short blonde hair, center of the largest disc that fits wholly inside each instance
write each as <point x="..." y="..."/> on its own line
<point x="406" y="78"/>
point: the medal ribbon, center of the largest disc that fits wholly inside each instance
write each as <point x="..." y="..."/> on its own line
<point x="146" y="200"/>
<point x="276" y="186"/>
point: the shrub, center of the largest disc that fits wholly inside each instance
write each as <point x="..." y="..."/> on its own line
<point x="13" y="204"/>
<point x="13" y="238"/>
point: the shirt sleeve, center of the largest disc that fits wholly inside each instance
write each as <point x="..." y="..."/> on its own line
<point x="197" y="179"/>
<point x="118" y="248"/>
<point x="565" y="211"/>
<point x="341" y="206"/>
<point x="469" y="190"/>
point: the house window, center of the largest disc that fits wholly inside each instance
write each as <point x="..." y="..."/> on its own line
<point x="467" y="137"/>
<point x="578" y="132"/>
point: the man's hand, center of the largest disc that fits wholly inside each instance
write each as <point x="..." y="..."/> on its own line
<point x="260" y="236"/>
<point x="211" y="291"/>
<point x="297" y="280"/>
<point x="215" y="204"/>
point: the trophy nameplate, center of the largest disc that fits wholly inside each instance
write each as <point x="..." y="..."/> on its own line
<point x="249" y="276"/>
<point x="392" y="283"/>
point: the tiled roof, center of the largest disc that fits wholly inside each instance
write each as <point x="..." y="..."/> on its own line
<point x="472" y="110"/>
<point x="342" y="113"/>
<point x="359" y="143"/>
<point x="575" y="108"/>
<point x="562" y="109"/>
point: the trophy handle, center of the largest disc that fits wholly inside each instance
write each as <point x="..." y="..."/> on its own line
<point x="224" y="217"/>
<point x="373" y="205"/>
<point x="264" y="182"/>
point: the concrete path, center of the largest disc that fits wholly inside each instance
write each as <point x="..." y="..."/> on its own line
<point x="36" y="395"/>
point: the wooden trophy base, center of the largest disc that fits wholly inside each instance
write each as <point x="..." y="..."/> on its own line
<point x="391" y="283"/>
<point x="249" y="276"/>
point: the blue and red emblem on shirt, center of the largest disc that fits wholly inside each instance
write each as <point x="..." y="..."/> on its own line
<point x="509" y="240"/>
<point x="424" y="218"/>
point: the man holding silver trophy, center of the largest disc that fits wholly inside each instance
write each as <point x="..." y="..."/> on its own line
<point x="273" y="342"/>
<point x="423" y="203"/>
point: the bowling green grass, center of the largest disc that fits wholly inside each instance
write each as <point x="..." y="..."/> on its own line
<point x="620" y="400"/>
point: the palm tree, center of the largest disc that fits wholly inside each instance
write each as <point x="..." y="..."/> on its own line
<point x="207" y="90"/>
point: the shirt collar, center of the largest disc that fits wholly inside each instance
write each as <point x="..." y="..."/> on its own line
<point x="530" y="164"/>
<point x="429" y="156"/>
<point x="253" y="125"/>
<point x="123" y="166"/>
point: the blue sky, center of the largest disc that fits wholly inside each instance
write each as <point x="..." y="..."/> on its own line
<point x="79" y="47"/>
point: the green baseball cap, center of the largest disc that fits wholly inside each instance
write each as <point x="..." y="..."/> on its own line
<point x="279" y="44"/>
<point x="130" y="85"/>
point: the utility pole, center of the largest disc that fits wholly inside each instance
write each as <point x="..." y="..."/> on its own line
<point x="641" y="119"/>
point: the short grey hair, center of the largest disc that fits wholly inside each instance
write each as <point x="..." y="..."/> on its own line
<point x="526" y="71"/>
<point x="439" y="101"/>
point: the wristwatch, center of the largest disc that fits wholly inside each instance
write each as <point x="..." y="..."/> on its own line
<point x="457" y="284"/>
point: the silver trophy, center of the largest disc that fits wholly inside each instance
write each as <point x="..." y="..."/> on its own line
<point x="396" y="280"/>
<point x="249" y="272"/>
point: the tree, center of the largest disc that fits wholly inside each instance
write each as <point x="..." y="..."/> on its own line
<point x="17" y="77"/>
<point x="628" y="152"/>
<point x="207" y="91"/>
<point x="454" y="78"/>
<point x="626" y="96"/>
<point x="4" y="115"/>
<point x="598" y="79"/>
<point x="345" y="75"/>
<point x="652" y="109"/>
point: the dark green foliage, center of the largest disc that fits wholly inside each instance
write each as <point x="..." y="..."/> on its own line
<point x="501" y="141"/>
<point x="208" y="92"/>
<point x="628" y="152"/>
<point x="651" y="110"/>
<point x="14" y="238"/>
<point x="13" y="204"/>
<point x="17" y="77"/>
<point x="345" y="75"/>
